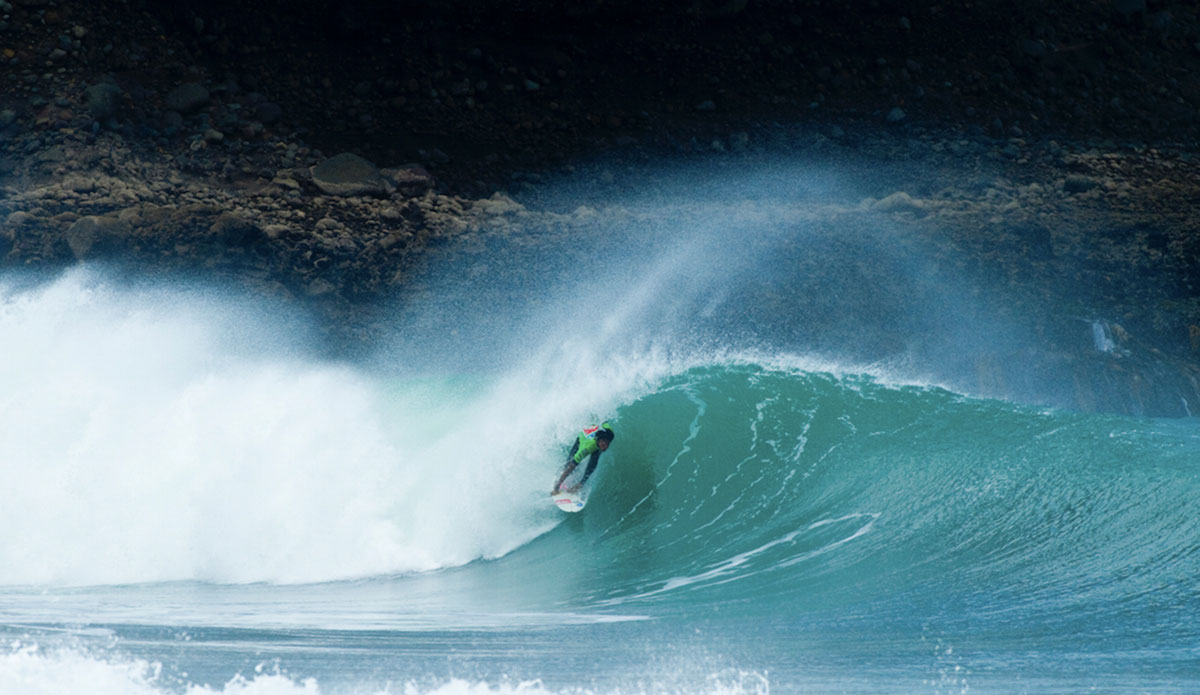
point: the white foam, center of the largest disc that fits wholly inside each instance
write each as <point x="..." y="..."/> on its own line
<point x="28" y="670"/>
<point x="154" y="436"/>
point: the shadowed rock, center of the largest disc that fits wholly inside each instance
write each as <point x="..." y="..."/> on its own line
<point x="92" y="236"/>
<point x="348" y="175"/>
<point x="187" y="98"/>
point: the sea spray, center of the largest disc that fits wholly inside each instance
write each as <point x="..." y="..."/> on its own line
<point x="153" y="438"/>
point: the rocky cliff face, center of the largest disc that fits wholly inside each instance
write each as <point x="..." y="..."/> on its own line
<point x="323" y="151"/>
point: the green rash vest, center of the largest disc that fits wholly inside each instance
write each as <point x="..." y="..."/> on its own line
<point x="587" y="442"/>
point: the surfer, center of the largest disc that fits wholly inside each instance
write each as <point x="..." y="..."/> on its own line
<point x="590" y="443"/>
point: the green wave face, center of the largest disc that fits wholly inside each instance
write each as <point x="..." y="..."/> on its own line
<point x="780" y="493"/>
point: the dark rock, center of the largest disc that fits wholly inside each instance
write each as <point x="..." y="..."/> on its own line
<point x="103" y="100"/>
<point x="1034" y="48"/>
<point x="187" y="98"/>
<point x="1076" y="183"/>
<point x="348" y="175"/>
<point x="94" y="237"/>
<point x="19" y="218"/>
<point x="1128" y="8"/>
<point x="410" y="181"/>
<point x="716" y="9"/>
<point x="234" y="230"/>
<point x="268" y="112"/>
<point x="172" y="123"/>
<point x="1162" y="21"/>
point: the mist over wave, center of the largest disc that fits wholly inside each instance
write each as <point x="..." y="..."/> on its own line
<point x="163" y="434"/>
<point x="166" y="431"/>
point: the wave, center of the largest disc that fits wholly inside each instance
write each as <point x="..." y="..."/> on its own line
<point x="769" y="486"/>
<point x="151" y="439"/>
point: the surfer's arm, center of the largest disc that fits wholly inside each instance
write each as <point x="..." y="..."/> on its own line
<point x="595" y="458"/>
<point x="566" y="471"/>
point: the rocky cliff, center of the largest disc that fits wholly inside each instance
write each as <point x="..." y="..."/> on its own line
<point x="324" y="151"/>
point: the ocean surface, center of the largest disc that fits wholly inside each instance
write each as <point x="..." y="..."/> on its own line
<point x="198" y="500"/>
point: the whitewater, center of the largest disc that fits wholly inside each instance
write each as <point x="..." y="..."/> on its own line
<point x="200" y="498"/>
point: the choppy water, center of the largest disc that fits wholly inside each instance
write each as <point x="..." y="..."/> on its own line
<point x="195" y="504"/>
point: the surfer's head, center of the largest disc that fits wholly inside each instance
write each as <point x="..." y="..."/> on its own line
<point x="604" y="437"/>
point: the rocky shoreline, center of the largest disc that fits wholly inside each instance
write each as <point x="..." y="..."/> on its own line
<point x="146" y="156"/>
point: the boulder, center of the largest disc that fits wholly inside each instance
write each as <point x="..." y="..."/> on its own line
<point x="1129" y="8"/>
<point x="1078" y="184"/>
<point x="103" y="100"/>
<point x="268" y="112"/>
<point x="92" y="236"/>
<point x="232" y="229"/>
<point x="410" y="181"/>
<point x="348" y="175"/>
<point x="187" y="98"/>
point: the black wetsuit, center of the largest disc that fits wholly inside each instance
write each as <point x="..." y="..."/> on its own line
<point x="592" y="461"/>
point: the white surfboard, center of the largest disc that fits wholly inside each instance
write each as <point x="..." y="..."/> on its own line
<point x="569" y="501"/>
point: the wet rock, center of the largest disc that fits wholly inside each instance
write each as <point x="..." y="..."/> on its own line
<point x="1128" y="8"/>
<point x="716" y="9"/>
<point x="172" y="123"/>
<point x="1034" y="48"/>
<point x="268" y="112"/>
<point x="18" y="219"/>
<point x="103" y="100"/>
<point x="232" y="229"/>
<point x="348" y="175"/>
<point x="410" y="181"/>
<point x="93" y="237"/>
<point x="79" y="184"/>
<point x="187" y="98"/>
<point x="1078" y="184"/>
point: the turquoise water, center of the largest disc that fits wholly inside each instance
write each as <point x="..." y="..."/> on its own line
<point x="195" y="506"/>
